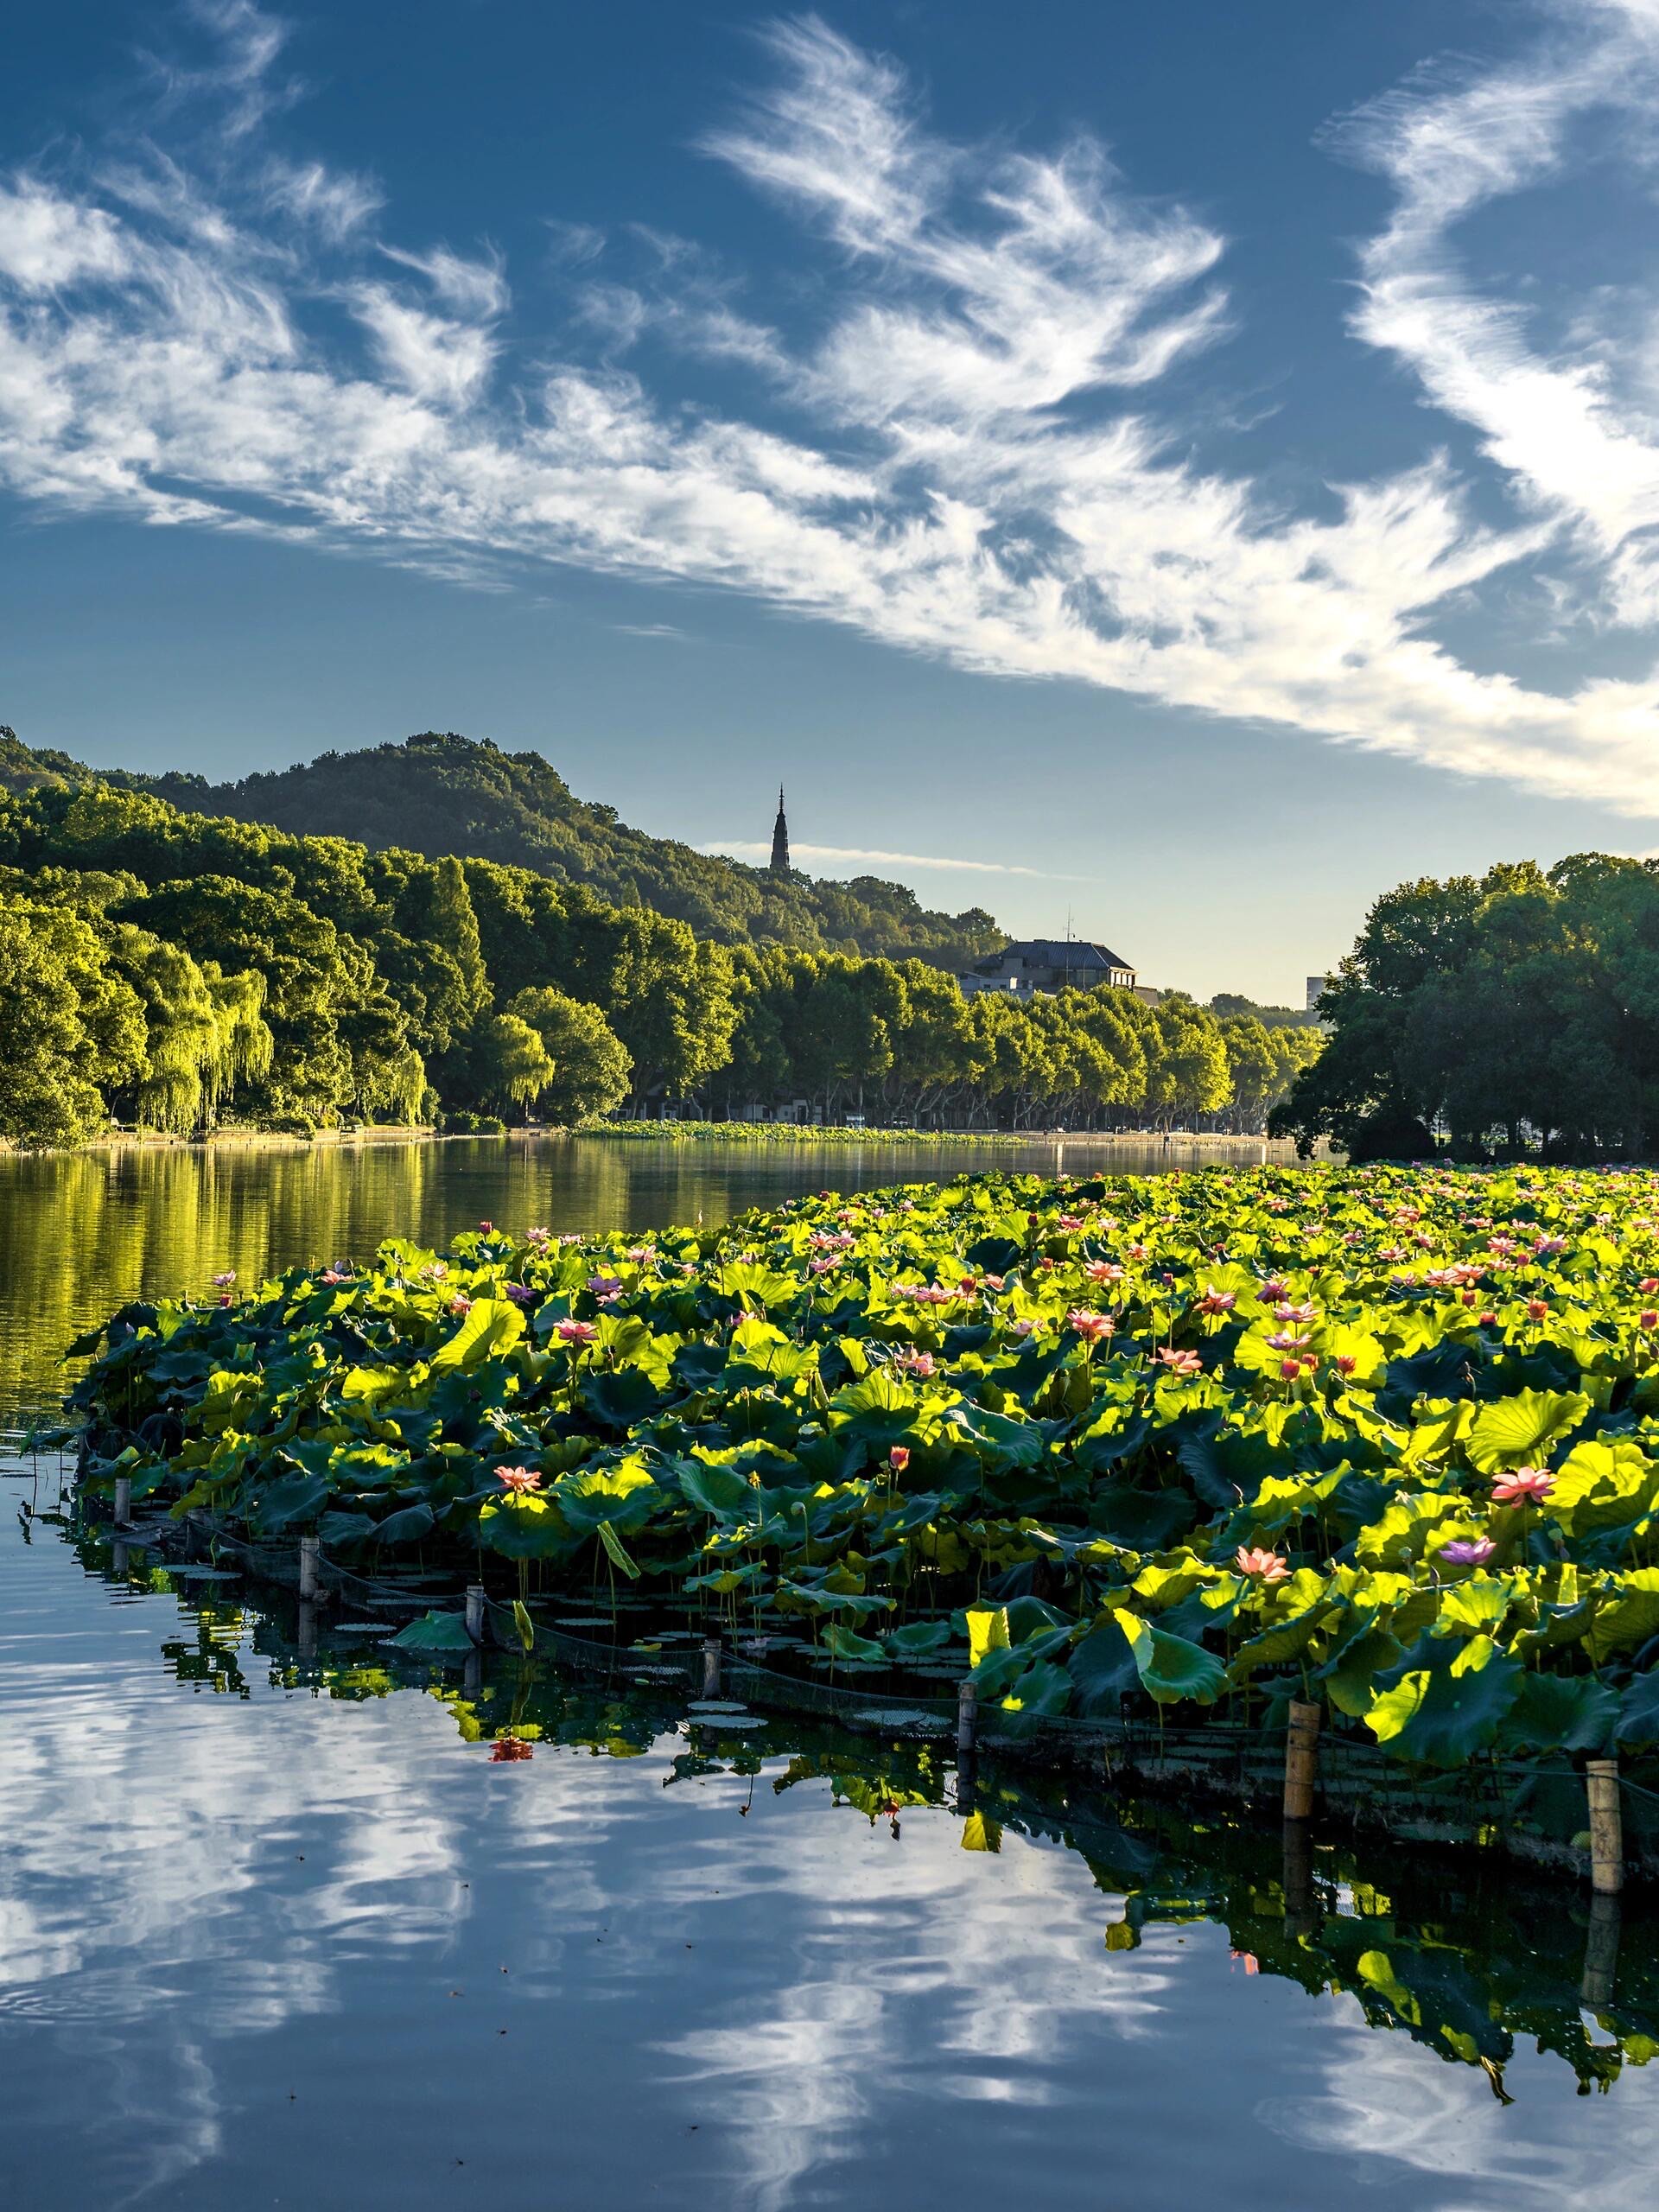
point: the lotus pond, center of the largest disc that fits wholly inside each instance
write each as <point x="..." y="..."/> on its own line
<point x="292" y="1912"/>
<point x="1378" y="1440"/>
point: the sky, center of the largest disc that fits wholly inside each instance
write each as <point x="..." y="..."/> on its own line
<point x="1171" y="472"/>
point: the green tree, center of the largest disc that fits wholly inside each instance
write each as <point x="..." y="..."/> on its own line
<point x="590" y="1063"/>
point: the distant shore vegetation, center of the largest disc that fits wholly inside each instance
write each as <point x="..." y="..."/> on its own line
<point x="171" y="971"/>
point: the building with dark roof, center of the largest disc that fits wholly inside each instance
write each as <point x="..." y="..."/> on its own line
<point x="1048" y="964"/>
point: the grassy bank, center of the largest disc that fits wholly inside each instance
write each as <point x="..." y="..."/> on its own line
<point x="1377" y="1440"/>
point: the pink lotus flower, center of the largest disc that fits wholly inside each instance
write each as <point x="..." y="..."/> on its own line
<point x="1022" y="1328"/>
<point x="461" y="1303"/>
<point x="521" y="1294"/>
<point x="507" y="1748"/>
<point x="537" y="1236"/>
<point x="331" y="1275"/>
<point x="899" y="1457"/>
<point x="1217" y="1301"/>
<point x="1538" y="1310"/>
<point x="1289" y="1369"/>
<point x="1091" y="1327"/>
<point x="486" y="1229"/>
<point x="1530" y="1485"/>
<point x="1647" y="1285"/>
<point x="1270" y="1292"/>
<point x="1647" y="1318"/>
<point x="1181" y="1363"/>
<point x="224" y="1282"/>
<point x="1344" y="1363"/>
<point x="1260" y="1566"/>
<point x="919" y="1364"/>
<point x="1286" y="1312"/>
<point x="519" y="1480"/>
<point x="575" y="1332"/>
<point x="1466" y="1551"/>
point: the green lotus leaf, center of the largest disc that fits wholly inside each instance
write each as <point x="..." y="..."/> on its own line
<point x="1603" y="1486"/>
<point x="492" y="1325"/>
<point x="847" y="1643"/>
<point x="1172" y="1669"/>
<point x="1638" y="1713"/>
<point x="285" y="1503"/>
<point x="406" y="1526"/>
<point x="1561" y="1713"/>
<point x="1522" y="1430"/>
<point x="1628" y="1616"/>
<point x="1442" y="1713"/>
<point x="434" y="1632"/>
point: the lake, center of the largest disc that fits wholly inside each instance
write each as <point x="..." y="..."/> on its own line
<point x="275" y="1931"/>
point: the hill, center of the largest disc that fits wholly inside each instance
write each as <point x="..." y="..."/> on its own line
<point x="440" y="793"/>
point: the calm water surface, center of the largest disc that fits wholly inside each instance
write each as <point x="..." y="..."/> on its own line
<point x="273" y="1932"/>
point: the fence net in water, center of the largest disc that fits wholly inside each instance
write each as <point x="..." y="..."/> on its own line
<point x="1533" y="1808"/>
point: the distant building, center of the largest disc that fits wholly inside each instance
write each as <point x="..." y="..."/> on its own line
<point x="1149" y="994"/>
<point x="1048" y="964"/>
<point x="780" y="862"/>
<point x="1315" y="986"/>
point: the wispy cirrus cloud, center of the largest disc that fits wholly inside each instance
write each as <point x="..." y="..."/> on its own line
<point x="838" y="856"/>
<point x="976" y="454"/>
<point x="1575" y="423"/>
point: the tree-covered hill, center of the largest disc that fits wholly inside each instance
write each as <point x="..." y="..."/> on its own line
<point x="439" y="793"/>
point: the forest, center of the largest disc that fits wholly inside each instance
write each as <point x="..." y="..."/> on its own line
<point x="440" y="793"/>
<point x="173" y="971"/>
<point x="1513" y="1014"/>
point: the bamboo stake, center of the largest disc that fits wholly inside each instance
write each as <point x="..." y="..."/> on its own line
<point x="1301" y="1761"/>
<point x="1600" y="1952"/>
<point x="967" y="1719"/>
<point x="1301" y="1914"/>
<point x="308" y="1629"/>
<point x="309" y="1548"/>
<point x="124" y="1501"/>
<point x="475" y="1611"/>
<point x="1607" y="1826"/>
<point x="711" y="1666"/>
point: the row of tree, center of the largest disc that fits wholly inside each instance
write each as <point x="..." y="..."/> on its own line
<point x="1515" y="1013"/>
<point x="164" y="968"/>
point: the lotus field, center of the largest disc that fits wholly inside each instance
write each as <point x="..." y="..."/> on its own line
<point x="1384" y="1439"/>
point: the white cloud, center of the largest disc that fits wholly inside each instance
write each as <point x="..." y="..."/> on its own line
<point x="969" y="461"/>
<point x="1569" y="426"/>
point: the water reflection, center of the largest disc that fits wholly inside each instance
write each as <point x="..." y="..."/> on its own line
<point x="83" y="1232"/>
<point x="274" y="1927"/>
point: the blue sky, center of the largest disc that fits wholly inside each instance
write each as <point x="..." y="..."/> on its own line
<point x="1188" y="468"/>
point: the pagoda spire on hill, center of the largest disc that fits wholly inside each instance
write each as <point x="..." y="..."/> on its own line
<point x="780" y="839"/>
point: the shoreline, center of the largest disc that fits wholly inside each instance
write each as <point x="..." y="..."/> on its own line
<point x="776" y="1135"/>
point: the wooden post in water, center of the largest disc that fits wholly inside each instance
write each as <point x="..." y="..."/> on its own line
<point x="1600" y="1952"/>
<point x="124" y="1501"/>
<point x="308" y="1629"/>
<point x="1301" y="1760"/>
<point x="475" y="1614"/>
<point x="967" y="1719"/>
<point x="1606" y="1827"/>
<point x="117" y="1558"/>
<point x="711" y="1666"/>
<point x="310" y="1547"/>
<point x="1300" y="1913"/>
